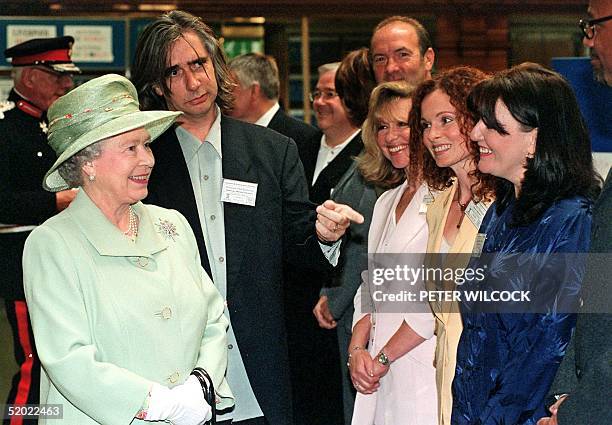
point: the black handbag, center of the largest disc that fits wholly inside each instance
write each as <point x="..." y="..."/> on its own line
<point x="209" y="391"/>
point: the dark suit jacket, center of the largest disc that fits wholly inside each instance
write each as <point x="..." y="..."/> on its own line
<point x="315" y="404"/>
<point x="25" y="157"/>
<point x="297" y="130"/>
<point x="281" y="225"/>
<point x="586" y="372"/>
<point x="330" y="176"/>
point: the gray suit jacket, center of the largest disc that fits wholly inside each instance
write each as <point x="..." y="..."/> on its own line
<point x="354" y="191"/>
<point x="586" y="371"/>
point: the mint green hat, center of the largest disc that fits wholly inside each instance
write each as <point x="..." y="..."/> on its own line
<point x="96" y="110"/>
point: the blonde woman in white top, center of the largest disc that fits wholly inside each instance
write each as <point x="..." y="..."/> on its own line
<point x="392" y="350"/>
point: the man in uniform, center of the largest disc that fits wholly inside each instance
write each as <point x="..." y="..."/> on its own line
<point x="42" y="72"/>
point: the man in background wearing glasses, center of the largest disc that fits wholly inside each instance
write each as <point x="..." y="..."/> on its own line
<point x="597" y="33"/>
<point x="42" y="72"/>
<point x="329" y="153"/>
<point x="585" y="375"/>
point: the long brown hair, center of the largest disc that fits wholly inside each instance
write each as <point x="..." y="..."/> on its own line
<point x="354" y="83"/>
<point x="152" y="51"/>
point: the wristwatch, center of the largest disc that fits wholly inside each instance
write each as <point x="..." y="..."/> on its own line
<point x="383" y="359"/>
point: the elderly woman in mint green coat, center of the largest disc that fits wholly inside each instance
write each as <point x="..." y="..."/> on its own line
<point x="121" y="309"/>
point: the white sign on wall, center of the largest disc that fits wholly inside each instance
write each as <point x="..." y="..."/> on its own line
<point x="6" y="84"/>
<point x="92" y="43"/>
<point x="16" y="34"/>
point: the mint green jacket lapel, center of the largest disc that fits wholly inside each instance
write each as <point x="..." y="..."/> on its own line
<point x="108" y="239"/>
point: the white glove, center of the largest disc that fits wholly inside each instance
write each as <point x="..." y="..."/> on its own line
<point x="181" y="405"/>
<point x="196" y="410"/>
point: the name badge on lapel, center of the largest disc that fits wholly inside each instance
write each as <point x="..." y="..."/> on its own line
<point x="428" y="199"/>
<point x="479" y="244"/>
<point x="476" y="212"/>
<point x="237" y="192"/>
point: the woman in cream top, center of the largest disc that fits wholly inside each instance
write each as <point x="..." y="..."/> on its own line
<point x="440" y="124"/>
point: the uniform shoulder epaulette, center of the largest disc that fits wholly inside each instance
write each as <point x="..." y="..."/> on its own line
<point x="6" y="105"/>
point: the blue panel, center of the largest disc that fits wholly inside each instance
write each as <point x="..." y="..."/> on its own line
<point x="595" y="99"/>
<point x="119" y="36"/>
<point x="136" y="27"/>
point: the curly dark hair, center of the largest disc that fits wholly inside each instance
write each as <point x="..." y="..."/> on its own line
<point x="456" y="83"/>
<point x="153" y="48"/>
<point x="562" y="164"/>
<point x="354" y="83"/>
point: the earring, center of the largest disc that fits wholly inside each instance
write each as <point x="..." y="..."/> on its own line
<point x="530" y="155"/>
<point x="92" y="177"/>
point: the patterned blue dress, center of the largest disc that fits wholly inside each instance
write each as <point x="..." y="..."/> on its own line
<point x="506" y="362"/>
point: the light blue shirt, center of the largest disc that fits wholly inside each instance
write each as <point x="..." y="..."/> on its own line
<point x="206" y="174"/>
<point x="204" y="162"/>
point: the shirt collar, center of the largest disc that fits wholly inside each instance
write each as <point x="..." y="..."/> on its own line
<point x="265" y="119"/>
<point x="190" y="144"/>
<point x="341" y="145"/>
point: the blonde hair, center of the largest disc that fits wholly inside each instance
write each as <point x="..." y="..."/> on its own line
<point x="372" y="163"/>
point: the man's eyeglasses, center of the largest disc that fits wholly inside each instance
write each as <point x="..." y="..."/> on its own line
<point x="325" y="94"/>
<point x="588" y="25"/>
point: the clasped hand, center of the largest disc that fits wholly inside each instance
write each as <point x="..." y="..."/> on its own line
<point x="366" y="371"/>
<point x="181" y="405"/>
<point x="552" y="420"/>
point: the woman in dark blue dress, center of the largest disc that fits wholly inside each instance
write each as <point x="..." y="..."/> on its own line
<point x="530" y="135"/>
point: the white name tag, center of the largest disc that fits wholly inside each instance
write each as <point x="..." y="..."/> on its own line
<point x="476" y="212"/>
<point x="237" y="192"/>
<point x="479" y="244"/>
<point x="428" y="199"/>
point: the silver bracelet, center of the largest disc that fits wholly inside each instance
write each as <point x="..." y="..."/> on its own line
<point x="350" y="355"/>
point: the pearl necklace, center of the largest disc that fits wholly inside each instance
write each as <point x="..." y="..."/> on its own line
<point x="132" y="230"/>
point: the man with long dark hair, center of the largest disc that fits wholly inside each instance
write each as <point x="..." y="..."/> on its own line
<point x="243" y="191"/>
